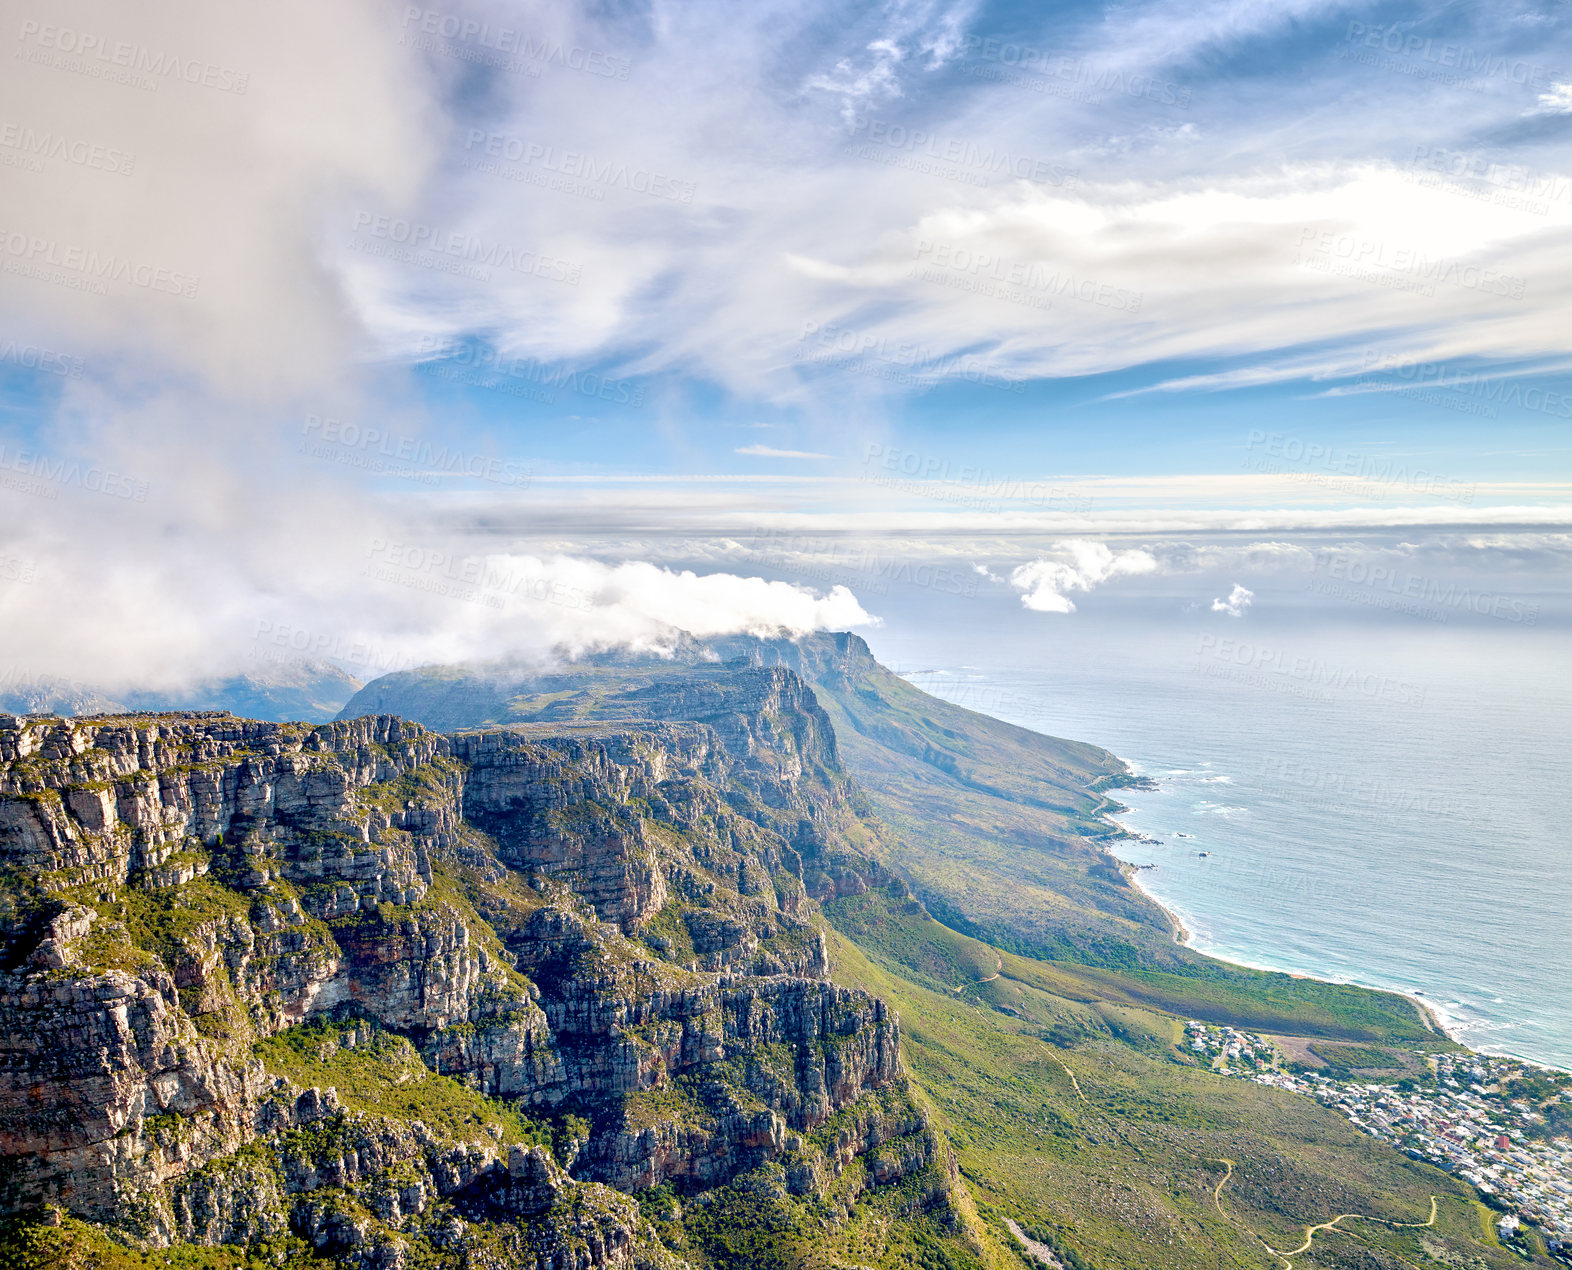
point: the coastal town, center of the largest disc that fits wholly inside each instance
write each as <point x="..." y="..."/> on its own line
<point x="1502" y="1125"/>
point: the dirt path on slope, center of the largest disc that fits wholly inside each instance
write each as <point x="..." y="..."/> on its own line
<point x="1310" y="1231"/>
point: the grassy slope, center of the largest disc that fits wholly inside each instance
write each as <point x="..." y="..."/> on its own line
<point x="992" y="821"/>
<point x="1065" y="967"/>
<point x="998" y="829"/>
<point x="1123" y="1178"/>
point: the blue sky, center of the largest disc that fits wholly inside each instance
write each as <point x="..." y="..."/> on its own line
<point x="1079" y="301"/>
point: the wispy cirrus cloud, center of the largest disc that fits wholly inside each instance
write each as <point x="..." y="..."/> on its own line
<point x="772" y="452"/>
<point x="838" y="209"/>
<point x="1556" y="101"/>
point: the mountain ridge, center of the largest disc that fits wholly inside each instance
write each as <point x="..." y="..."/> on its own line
<point x="611" y="930"/>
<point x="653" y="969"/>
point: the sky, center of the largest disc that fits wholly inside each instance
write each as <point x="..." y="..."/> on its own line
<point x="387" y="333"/>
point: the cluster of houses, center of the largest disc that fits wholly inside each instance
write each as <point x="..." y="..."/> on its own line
<point x="1457" y="1115"/>
<point x="1232" y="1052"/>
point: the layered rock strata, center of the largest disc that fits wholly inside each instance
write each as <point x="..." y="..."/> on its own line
<point x="608" y="926"/>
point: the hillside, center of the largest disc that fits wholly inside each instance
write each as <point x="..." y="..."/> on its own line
<point x="365" y="994"/>
<point x="632" y="976"/>
<point x="999" y="830"/>
<point x="1085" y="1120"/>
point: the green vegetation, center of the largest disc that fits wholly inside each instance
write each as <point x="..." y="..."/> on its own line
<point x="1340" y="1059"/>
<point x="999" y="829"/>
<point x="1548" y="1093"/>
<point x="1117" y="1167"/>
<point x="1265" y="1001"/>
<point x="897" y="928"/>
<point x="421" y="787"/>
<point x="680" y="1101"/>
<point x="76" y="1245"/>
<point x="379" y="1072"/>
<point x="745" y="1230"/>
<point x="1042" y="1001"/>
<point x="164" y="921"/>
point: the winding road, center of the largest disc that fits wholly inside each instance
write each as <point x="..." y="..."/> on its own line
<point x="997" y="970"/>
<point x="1310" y="1231"/>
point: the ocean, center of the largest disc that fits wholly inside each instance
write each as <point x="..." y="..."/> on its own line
<point x="1359" y="805"/>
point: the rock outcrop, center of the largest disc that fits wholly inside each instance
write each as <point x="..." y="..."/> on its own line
<point x="605" y="930"/>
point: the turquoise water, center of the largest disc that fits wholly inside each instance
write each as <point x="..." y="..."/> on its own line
<point x="1389" y="814"/>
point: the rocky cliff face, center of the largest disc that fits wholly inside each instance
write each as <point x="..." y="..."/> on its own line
<point x="602" y="937"/>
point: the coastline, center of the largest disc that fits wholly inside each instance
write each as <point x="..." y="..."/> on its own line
<point x="1506" y="1176"/>
<point x="1435" y="1016"/>
<point x="1336" y="850"/>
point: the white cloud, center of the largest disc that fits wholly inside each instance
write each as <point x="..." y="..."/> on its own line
<point x="770" y="452"/>
<point x="1558" y="101"/>
<point x="783" y="223"/>
<point x="342" y="582"/>
<point x="1238" y="600"/>
<point x="256" y="196"/>
<point x="243" y="195"/>
<point x="861" y="82"/>
<point x="1078" y="565"/>
<point x="872" y="74"/>
<point x="202" y="556"/>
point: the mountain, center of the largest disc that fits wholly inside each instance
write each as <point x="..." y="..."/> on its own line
<point x="630" y="965"/>
<point x="45" y="694"/>
<point x="1001" y="832"/>
<point x="367" y="992"/>
<point x="278" y="692"/>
